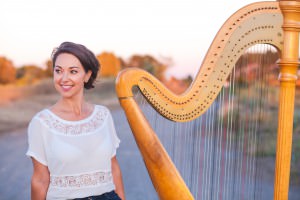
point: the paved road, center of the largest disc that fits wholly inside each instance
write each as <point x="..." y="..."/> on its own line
<point x="16" y="168"/>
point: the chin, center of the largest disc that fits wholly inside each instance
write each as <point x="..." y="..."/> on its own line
<point x="69" y="94"/>
<point x="65" y="96"/>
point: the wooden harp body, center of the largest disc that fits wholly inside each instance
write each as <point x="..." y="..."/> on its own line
<point x="273" y="23"/>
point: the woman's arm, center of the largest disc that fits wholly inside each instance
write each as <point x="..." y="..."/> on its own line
<point x="117" y="177"/>
<point x="40" y="181"/>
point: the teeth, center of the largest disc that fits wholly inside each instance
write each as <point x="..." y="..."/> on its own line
<point x="66" y="86"/>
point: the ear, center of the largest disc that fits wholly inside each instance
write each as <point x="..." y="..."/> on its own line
<point x="87" y="76"/>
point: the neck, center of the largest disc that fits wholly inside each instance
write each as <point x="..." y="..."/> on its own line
<point x="78" y="107"/>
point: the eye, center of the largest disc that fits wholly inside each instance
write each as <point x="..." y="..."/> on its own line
<point x="58" y="71"/>
<point x="73" y="71"/>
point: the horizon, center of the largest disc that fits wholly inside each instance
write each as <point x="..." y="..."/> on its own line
<point x="165" y="29"/>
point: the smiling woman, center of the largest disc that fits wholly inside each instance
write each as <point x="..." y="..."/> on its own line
<point x="73" y="143"/>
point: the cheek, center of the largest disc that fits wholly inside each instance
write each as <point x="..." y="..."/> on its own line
<point x="56" y="83"/>
<point x="55" y="78"/>
<point x="78" y="79"/>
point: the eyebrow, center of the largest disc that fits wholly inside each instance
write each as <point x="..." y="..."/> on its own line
<point x="72" y="67"/>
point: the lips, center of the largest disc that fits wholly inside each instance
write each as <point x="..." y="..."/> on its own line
<point x="66" y="87"/>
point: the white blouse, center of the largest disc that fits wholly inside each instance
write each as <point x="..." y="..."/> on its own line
<point x="77" y="153"/>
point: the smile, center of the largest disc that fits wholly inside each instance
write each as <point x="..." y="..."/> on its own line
<point x="66" y="87"/>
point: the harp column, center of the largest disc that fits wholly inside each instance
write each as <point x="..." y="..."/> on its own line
<point x="288" y="75"/>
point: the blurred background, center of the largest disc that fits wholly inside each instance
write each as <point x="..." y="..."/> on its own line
<point x="167" y="38"/>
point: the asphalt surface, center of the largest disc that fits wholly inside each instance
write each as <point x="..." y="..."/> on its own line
<point x="16" y="167"/>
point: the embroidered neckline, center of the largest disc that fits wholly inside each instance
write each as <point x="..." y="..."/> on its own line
<point x="80" y="127"/>
<point x="83" y="180"/>
<point x="69" y="121"/>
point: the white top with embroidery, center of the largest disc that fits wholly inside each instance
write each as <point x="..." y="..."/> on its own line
<point x="78" y="153"/>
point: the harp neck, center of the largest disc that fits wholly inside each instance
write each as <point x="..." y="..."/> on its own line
<point x="253" y="24"/>
<point x="288" y="75"/>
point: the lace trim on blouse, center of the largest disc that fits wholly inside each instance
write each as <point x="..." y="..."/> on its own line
<point x="84" y="180"/>
<point x="74" y="127"/>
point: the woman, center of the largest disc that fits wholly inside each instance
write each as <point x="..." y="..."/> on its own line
<point x="73" y="143"/>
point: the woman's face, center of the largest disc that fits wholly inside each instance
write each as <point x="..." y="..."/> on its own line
<point x="69" y="75"/>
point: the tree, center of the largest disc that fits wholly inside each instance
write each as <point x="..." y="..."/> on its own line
<point x="149" y="64"/>
<point x="49" y="69"/>
<point x="7" y="71"/>
<point x="29" y="74"/>
<point x="110" y="64"/>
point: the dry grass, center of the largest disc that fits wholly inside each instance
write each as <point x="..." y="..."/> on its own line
<point x="19" y="104"/>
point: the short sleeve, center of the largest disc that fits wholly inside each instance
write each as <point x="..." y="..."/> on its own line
<point x="115" y="139"/>
<point x="36" y="146"/>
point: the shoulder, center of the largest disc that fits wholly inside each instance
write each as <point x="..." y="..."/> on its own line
<point x="102" y="109"/>
<point x="37" y="124"/>
<point x="39" y="117"/>
<point x="103" y="112"/>
<point x="40" y="114"/>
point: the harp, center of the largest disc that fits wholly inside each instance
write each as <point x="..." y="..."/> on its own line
<point x="209" y="105"/>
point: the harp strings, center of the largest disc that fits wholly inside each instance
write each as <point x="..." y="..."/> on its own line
<point x="216" y="154"/>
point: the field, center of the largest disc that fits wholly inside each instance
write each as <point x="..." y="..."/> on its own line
<point x="18" y="104"/>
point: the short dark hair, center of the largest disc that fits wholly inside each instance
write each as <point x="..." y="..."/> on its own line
<point x="86" y="57"/>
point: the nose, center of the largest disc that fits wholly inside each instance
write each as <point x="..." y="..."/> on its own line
<point x="65" y="76"/>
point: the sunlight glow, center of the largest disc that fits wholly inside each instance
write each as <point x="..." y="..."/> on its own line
<point x="181" y="30"/>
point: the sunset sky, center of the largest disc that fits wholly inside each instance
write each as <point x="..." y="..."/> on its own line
<point x="178" y="29"/>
